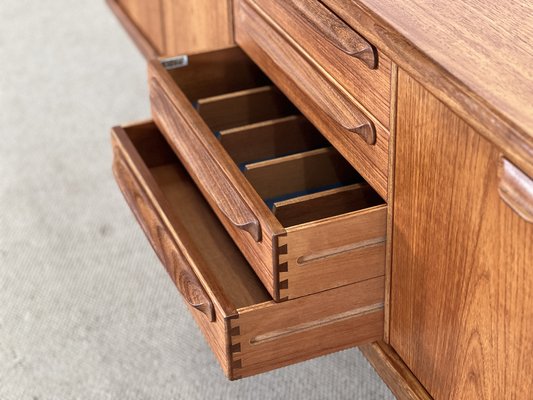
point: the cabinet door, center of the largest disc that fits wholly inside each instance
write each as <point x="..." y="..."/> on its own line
<point x="199" y="25"/>
<point x="462" y="272"/>
<point x="147" y="16"/>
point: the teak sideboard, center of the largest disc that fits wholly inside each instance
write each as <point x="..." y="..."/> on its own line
<point x="323" y="174"/>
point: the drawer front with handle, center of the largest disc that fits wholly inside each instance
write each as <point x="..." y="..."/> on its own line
<point x="248" y="332"/>
<point x="301" y="215"/>
<point x="340" y="50"/>
<point x="357" y="134"/>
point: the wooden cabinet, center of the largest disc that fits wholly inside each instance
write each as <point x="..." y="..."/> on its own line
<point x="462" y="272"/>
<point x="435" y="245"/>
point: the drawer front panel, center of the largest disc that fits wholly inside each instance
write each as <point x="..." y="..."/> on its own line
<point x="328" y="106"/>
<point x="337" y="48"/>
<point x="309" y="326"/>
<point x="313" y="189"/>
<point x="248" y="332"/>
<point x="164" y="246"/>
<point x="192" y="141"/>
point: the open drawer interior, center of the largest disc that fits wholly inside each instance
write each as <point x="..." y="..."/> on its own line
<point x="312" y="223"/>
<point x="293" y="168"/>
<point x="248" y="332"/>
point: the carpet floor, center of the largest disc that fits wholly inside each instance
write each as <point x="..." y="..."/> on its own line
<point x="86" y="310"/>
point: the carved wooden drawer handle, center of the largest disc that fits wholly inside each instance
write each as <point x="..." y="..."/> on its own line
<point x="335" y="30"/>
<point x="516" y="189"/>
<point x="328" y="97"/>
<point x="162" y="242"/>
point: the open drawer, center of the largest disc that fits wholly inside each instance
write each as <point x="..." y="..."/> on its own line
<point x="302" y="216"/>
<point x="248" y="332"/>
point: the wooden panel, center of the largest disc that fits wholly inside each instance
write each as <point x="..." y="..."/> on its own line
<point x="333" y="252"/>
<point x="142" y="20"/>
<point x="325" y="204"/>
<point x="147" y="15"/>
<point x="238" y="204"/>
<point x="337" y="104"/>
<point x="217" y="73"/>
<point x="292" y="73"/>
<point x="222" y="183"/>
<point x="216" y="335"/>
<point x="390" y="198"/>
<point x="174" y="212"/>
<point x="309" y="22"/>
<point x="245" y="107"/>
<point x="271" y="139"/>
<point x="161" y="240"/>
<point x="232" y="271"/>
<point x="394" y="372"/>
<point x="299" y="173"/>
<point x="470" y="54"/>
<point x="462" y="282"/>
<point x="275" y="335"/>
<point x="199" y="25"/>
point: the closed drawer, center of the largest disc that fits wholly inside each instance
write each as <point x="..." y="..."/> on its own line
<point x="342" y="52"/>
<point x="247" y="331"/>
<point x="361" y="138"/>
<point x="301" y="215"/>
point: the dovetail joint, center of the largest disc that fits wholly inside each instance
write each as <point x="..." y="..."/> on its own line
<point x="283" y="265"/>
<point x="235" y="349"/>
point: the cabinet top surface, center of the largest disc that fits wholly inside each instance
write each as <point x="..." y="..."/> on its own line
<point x="486" y="44"/>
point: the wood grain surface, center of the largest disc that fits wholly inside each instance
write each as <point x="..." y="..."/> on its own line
<point x="159" y="237"/>
<point x="142" y="21"/>
<point x="394" y="372"/>
<point x="272" y="335"/>
<point x="203" y="156"/>
<point x="295" y="75"/>
<point x="247" y="331"/>
<point x="232" y="196"/>
<point x="332" y="43"/>
<point x="244" y="107"/>
<point x="325" y="204"/>
<point x="300" y="172"/>
<point x="462" y="289"/>
<point x="331" y="28"/>
<point x="333" y="252"/>
<point x="187" y="218"/>
<point x="270" y="139"/>
<point x="196" y="26"/>
<point x="475" y="56"/>
<point x="326" y="93"/>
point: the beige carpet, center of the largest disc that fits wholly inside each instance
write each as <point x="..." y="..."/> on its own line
<point x="86" y="310"/>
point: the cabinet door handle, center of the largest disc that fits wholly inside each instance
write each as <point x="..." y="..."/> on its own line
<point x="162" y="242"/>
<point x="516" y="189"/>
<point x="335" y="30"/>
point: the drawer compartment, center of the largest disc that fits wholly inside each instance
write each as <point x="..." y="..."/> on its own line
<point x="248" y="332"/>
<point x="342" y="52"/>
<point x="303" y="217"/>
<point x="358" y="135"/>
